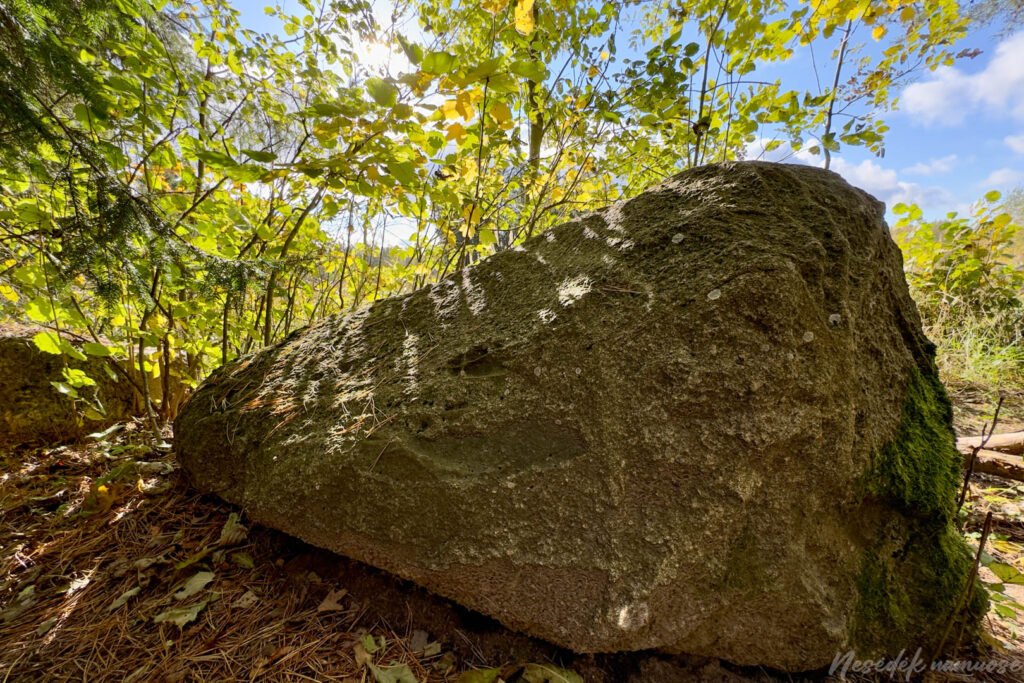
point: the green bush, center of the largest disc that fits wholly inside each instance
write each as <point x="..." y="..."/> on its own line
<point x="966" y="275"/>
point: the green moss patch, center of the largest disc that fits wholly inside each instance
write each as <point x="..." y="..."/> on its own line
<point x="914" y="574"/>
<point x="919" y="470"/>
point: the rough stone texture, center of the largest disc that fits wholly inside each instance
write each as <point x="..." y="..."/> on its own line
<point x="704" y="420"/>
<point x="31" y="410"/>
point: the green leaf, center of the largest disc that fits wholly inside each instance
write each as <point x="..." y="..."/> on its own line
<point x="257" y="155"/>
<point x="439" y="63"/>
<point x="1007" y="573"/>
<point x="39" y="310"/>
<point x="69" y="350"/>
<point x="481" y="71"/>
<point x="243" y="560"/>
<point x="479" y="676"/>
<point x="393" y="674"/>
<point x="215" y="158"/>
<point x="534" y="71"/>
<point x="545" y="673"/>
<point x="404" y="172"/>
<point x="77" y="378"/>
<point x="382" y="92"/>
<point x="413" y="51"/>
<point x="47" y="342"/>
<point x="64" y="389"/>
<point x="96" y="349"/>
<point x="370" y="643"/>
<point x="327" y="109"/>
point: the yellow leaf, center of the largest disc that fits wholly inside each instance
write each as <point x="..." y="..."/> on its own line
<point x="494" y="6"/>
<point x="464" y="105"/>
<point x="593" y="71"/>
<point x="907" y="14"/>
<point x="878" y="32"/>
<point x="502" y="114"/>
<point x="448" y="109"/>
<point x="455" y="132"/>
<point x="525" y="21"/>
<point x="8" y="293"/>
<point x="471" y="214"/>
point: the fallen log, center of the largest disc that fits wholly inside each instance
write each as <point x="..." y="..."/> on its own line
<point x="997" y="464"/>
<point x="1011" y="442"/>
<point x="1013" y="529"/>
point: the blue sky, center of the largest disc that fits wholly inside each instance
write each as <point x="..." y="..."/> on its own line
<point x="957" y="133"/>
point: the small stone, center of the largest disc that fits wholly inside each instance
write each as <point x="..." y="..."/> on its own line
<point x="714" y="295"/>
<point x="678" y="237"/>
<point x="808" y="336"/>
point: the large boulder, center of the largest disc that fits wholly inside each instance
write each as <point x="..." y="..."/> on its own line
<point x="703" y="420"/>
<point x="32" y="411"/>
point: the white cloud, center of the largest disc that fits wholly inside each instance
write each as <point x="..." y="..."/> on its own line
<point x="1015" y="142"/>
<point x="885" y="184"/>
<point x="1003" y="177"/>
<point x="882" y="183"/>
<point x="950" y="94"/>
<point x="932" y="166"/>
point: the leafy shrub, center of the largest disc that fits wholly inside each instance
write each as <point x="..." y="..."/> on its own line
<point x="965" y="273"/>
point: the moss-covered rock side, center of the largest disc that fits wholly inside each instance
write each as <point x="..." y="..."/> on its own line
<point x="31" y="409"/>
<point x="704" y="420"/>
<point x="915" y="573"/>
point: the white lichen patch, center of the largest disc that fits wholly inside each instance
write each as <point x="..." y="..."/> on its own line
<point x="607" y="259"/>
<point x="474" y="295"/>
<point x="835" y="319"/>
<point x="632" y="616"/>
<point x="573" y="289"/>
<point x="546" y="315"/>
<point x="445" y="296"/>
<point x="614" y="217"/>
<point x="541" y="259"/>
<point x="312" y="393"/>
<point x="549" y="236"/>
<point x="808" y="337"/>
<point x="411" y="360"/>
<point x="590" y="234"/>
<point x="747" y="484"/>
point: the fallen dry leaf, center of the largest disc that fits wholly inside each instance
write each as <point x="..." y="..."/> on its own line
<point x="332" y="603"/>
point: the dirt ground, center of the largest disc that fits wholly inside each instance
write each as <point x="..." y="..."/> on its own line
<point x="111" y="569"/>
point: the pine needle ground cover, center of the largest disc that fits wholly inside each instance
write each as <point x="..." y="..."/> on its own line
<point x="113" y="570"/>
